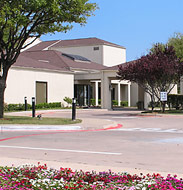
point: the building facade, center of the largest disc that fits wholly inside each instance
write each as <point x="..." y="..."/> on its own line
<point x="81" y="68"/>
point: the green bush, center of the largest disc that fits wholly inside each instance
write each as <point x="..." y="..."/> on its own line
<point x="68" y="100"/>
<point x="21" y="107"/>
<point x="48" y="105"/>
<point x="175" y="101"/>
<point x="16" y="107"/>
<point x="115" y="102"/>
<point x="124" y="103"/>
<point x="92" y="102"/>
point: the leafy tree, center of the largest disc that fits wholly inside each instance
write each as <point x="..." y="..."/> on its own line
<point x="22" y="19"/>
<point x="177" y="42"/>
<point x="157" y="71"/>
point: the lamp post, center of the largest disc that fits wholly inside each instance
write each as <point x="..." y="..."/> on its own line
<point x="25" y="99"/>
<point x="33" y="107"/>
<point x="73" y="109"/>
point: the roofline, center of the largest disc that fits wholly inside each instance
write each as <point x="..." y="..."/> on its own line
<point x="42" y="69"/>
<point x="104" y="43"/>
<point x="80" y="69"/>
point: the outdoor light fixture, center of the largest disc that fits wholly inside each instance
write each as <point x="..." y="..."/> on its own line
<point x="110" y="87"/>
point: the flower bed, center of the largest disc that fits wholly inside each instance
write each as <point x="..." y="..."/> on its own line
<point x="39" y="177"/>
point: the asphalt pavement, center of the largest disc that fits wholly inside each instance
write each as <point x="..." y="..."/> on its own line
<point x="123" y="140"/>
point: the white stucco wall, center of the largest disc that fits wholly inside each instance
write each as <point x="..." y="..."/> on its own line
<point x="113" y="55"/>
<point x="85" y="51"/>
<point x="106" y="55"/>
<point x="22" y="82"/>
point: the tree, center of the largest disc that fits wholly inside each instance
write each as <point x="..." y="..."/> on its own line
<point x="22" y="19"/>
<point x="155" y="72"/>
<point x="177" y="42"/>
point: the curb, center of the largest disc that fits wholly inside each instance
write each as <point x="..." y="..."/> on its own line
<point x="61" y="131"/>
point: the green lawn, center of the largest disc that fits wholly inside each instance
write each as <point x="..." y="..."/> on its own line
<point x="43" y="121"/>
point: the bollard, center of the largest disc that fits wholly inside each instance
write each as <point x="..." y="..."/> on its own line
<point x="25" y="98"/>
<point x="73" y="109"/>
<point x="33" y="107"/>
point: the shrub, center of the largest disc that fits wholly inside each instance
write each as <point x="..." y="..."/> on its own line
<point x="16" y="107"/>
<point x="175" y="101"/>
<point x="122" y="103"/>
<point x="115" y="102"/>
<point x="21" y="107"/>
<point x="68" y="100"/>
<point x="48" y="105"/>
<point x="92" y="102"/>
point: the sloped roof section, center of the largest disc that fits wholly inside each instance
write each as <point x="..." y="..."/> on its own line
<point x="45" y="45"/>
<point x="85" y="42"/>
<point x="54" y="60"/>
<point x="27" y="61"/>
<point x="42" y="45"/>
<point x="115" y="68"/>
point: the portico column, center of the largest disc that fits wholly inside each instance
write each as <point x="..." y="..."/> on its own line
<point x="129" y="96"/>
<point x="181" y="85"/>
<point x="96" y="93"/>
<point x="119" y="94"/>
<point x="145" y="100"/>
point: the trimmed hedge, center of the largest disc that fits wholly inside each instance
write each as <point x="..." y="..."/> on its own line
<point x="48" y="105"/>
<point x="92" y="101"/>
<point x="122" y="103"/>
<point x="16" y="107"/>
<point x="21" y="107"/>
<point x="175" y="101"/>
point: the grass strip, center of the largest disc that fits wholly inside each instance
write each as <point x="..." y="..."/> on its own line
<point x="37" y="121"/>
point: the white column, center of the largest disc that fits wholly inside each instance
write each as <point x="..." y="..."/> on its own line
<point x="96" y="93"/>
<point x="119" y="94"/>
<point x="145" y="100"/>
<point x="129" y="96"/>
<point x="181" y="85"/>
<point x="105" y="91"/>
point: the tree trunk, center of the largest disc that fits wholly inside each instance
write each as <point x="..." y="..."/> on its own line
<point x="163" y="106"/>
<point x="2" y="89"/>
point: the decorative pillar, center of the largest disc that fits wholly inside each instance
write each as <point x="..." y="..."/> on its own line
<point x="129" y="96"/>
<point x="119" y="94"/>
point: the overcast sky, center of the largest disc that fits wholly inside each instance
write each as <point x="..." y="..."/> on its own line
<point x="134" y="24"/>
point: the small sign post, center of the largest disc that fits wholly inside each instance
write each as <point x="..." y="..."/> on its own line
<point x="163" y="96"/>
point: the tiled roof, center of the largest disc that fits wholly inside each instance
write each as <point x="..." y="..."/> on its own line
<point x="74" y="42"/>
<point x="53" y="60"/>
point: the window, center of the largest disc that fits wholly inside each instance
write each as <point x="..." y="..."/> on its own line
<point x="96" y="48"/>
